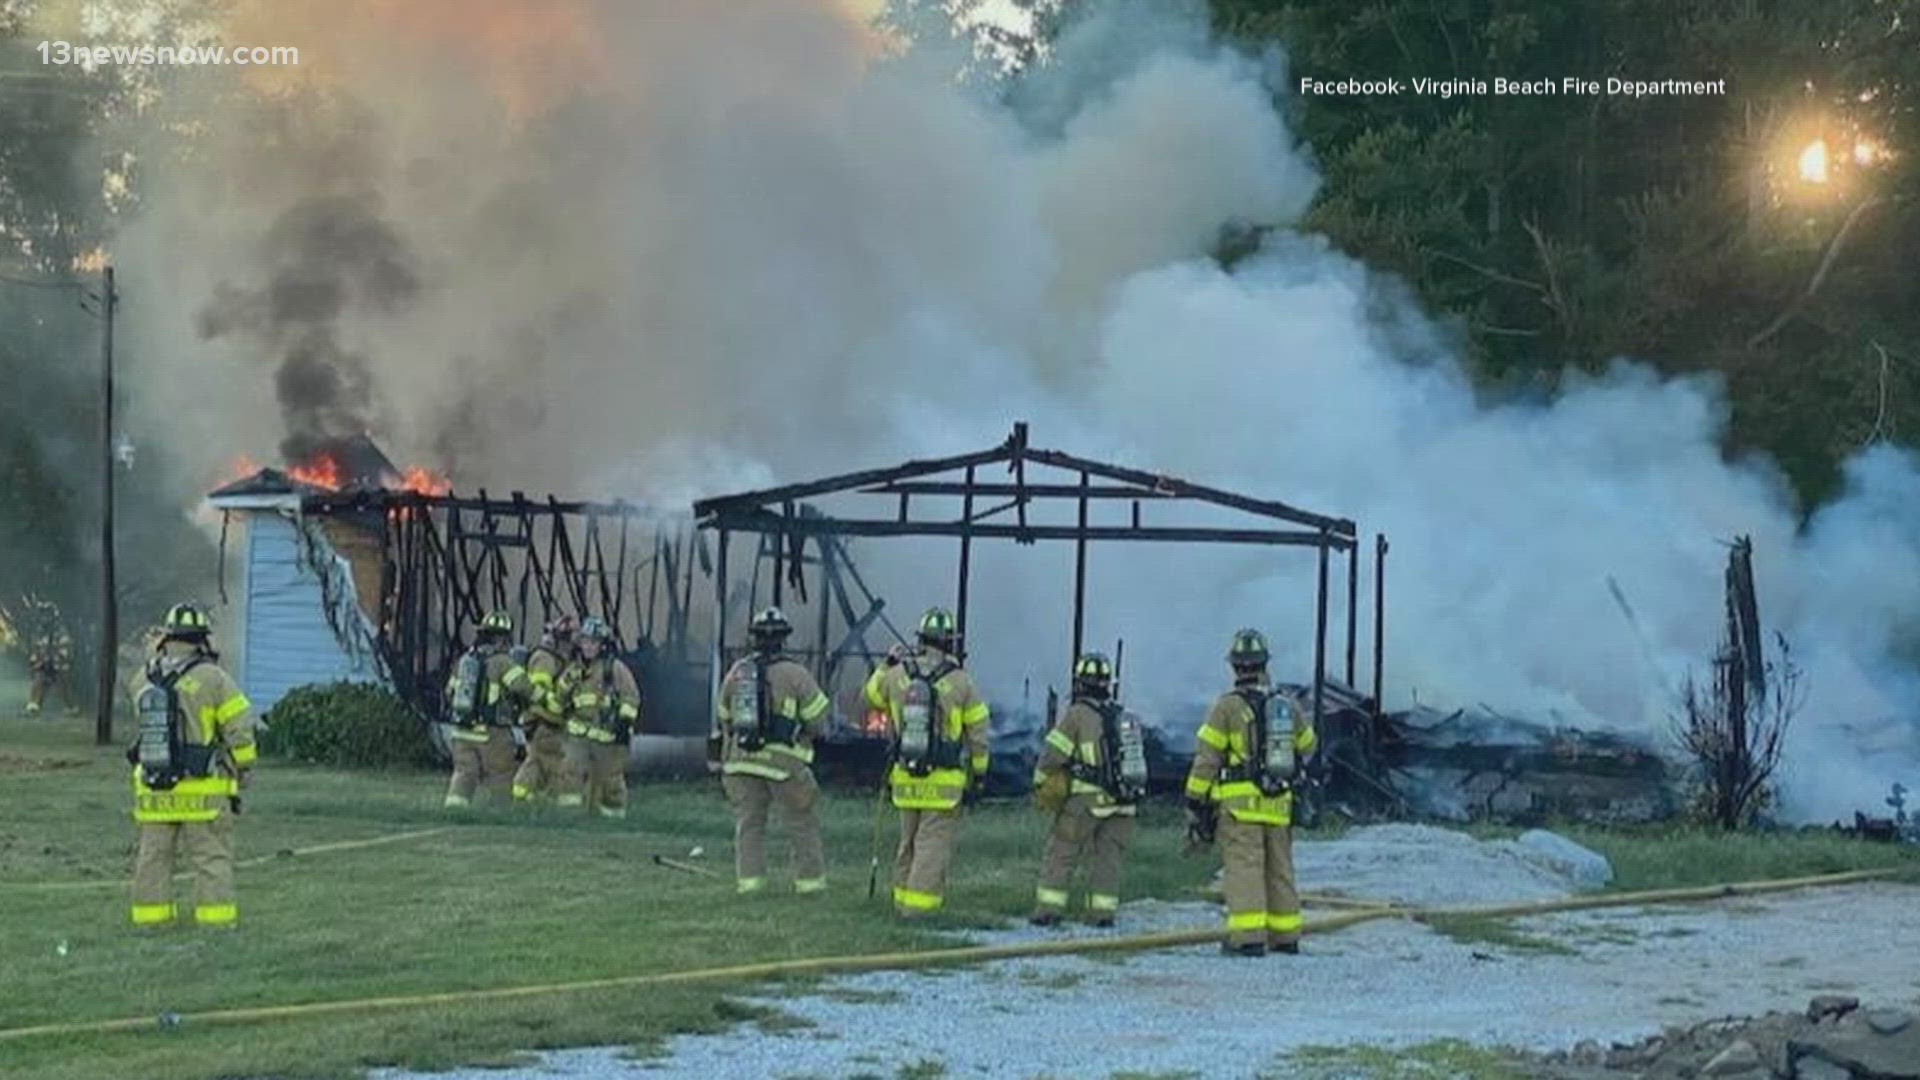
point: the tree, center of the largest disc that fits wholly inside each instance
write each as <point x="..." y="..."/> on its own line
<point x="1565" y="230"/>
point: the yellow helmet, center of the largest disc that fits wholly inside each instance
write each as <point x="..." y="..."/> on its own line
<point x="1249" y="649"/>
<point x="1093" y="671"/>
<point x="186" y="620"/>
<point x="938" y="627"/>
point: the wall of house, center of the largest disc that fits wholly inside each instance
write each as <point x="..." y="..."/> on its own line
<point x="287" y="640"/>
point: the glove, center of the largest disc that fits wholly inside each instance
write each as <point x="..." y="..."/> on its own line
<point x="1050" y="794"/>
<point x="1203" y="822"/>
<point x="895" y="654"/>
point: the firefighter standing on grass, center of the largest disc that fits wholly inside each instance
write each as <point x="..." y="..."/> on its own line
<point x="1250" y="751"/>
<point x="191" y="759"/>
<point x="602" y="703"/>
<point x="765" y="720"/>
<point x="1091" y="775"/>
<point x="545" y="717"/>
<point x="940" y="747"/>
<point x="49" y="661"/>
<point x="482" y="691"/>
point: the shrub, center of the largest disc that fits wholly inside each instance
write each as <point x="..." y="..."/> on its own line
<point x="347" y="725"/>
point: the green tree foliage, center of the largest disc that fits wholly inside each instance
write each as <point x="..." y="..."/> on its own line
<point x="58" y="148"/>
<point x="1564" y="230"/>
<point x="347" y="726"/>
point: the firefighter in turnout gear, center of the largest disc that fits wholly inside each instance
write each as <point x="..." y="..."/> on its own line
<point x="601" y="702"/>
<point x="482" y="693"/>
<point x="1091" y="777"/>
<point x="940" y="747"/>
<point x="190" y="761"/>
<point x="545" y="716"/>
<point x="49" y="660"/>
<point x="768" y="713"/>
<point x="1251" y="748"/>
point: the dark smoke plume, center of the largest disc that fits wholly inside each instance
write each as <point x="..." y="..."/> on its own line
<point x="326" y="260"/>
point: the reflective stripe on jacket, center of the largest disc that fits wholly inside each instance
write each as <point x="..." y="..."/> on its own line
<point x="543" y="669"/>
<point x="793" y="694"/>
<point x="1224" y="742"/>
<point x="217" y="715"/>
<point x="965" y="721"/>
<point x="1079" y="738"/>
<point x="499" y="677"/>
<point x="600" y="697"/>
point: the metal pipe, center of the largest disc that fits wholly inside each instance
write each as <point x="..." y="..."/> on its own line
<point x="1353" y="609"/>
<point x="1320" y="638"/>
<point x="1080" y="573"/>
<point x="1379" y="619"/>
<point x="718" y="665"/>
<point x="966" y="557"/>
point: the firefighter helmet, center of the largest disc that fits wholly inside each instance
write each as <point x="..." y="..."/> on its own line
<point x="562" y="627"/>
<point x="938" y="629"/>
<point x="186" y="621"/>
<point x="595" y="628"/>
<point x="1093" y="673"/>
<point x="497" y="622"/>
<point x="770" y="626"/>
<point x="1249" y="649"/>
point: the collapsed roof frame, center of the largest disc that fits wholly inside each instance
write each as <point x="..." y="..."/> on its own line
<point x="779" y="513"/>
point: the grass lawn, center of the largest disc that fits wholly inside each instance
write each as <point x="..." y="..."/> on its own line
<point x="501" y="900"/>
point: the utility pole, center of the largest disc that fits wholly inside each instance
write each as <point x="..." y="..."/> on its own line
<point x="109" y="601"/>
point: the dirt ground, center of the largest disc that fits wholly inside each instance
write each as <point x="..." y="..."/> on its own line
<point x="1542" y="986"/>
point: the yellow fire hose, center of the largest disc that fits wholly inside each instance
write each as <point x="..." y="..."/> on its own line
<point x="840" y="965"/>
<point x="262" y="860"/>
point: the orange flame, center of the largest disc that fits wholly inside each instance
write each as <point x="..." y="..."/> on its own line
<point x="321" y="472"/>
<point x="241" y="468"/>
<point x="876" y="722"/>
<point x="424" y="482"/>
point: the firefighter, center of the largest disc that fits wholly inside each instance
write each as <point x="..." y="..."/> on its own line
<point x="190" y="761"/>
<point x="49" y="661"/>
<point x="544" y="716"/>
<point x="1091" y="777"/>
<point x="769" y="712"/>
<point x="481" y="707"/>
<point x="602" y="707"/>
<point x="940" y="746"/>
<point x="1250" y="750"/>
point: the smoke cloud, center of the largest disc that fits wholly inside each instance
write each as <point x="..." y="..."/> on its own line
<point x="325" y="258"/>
<point x="703" y="247"/>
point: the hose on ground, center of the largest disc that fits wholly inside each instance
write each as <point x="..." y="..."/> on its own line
<point x="971" y="954"/>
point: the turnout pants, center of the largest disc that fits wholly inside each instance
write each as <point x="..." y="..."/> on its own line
<point x="44" y="681"/>
<point x="476" y="763"/>
<point x="595" y="776"/>
<point x="753" y="798"/>
<point x="927" y="838"/>
<point x="540" y="775"/>
<point x="1262" y="906"/>
<point x="206" y="847"/>
<point x="1102" y="841"/>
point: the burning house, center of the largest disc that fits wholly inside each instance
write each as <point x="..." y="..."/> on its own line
<point x="347" y="567"/>
<point x="351" y="568"/>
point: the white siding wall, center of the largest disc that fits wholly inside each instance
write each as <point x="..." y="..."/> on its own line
<point x="288" y="642"/>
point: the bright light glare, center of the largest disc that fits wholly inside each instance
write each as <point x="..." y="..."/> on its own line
<point x="1813" y="162"/>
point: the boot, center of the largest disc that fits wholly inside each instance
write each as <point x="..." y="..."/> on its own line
<point x="1044" y="918"/>
<point x="1291" y="948"/>
<point x="1101" y="922"/>
<point x="1228" y="948"/>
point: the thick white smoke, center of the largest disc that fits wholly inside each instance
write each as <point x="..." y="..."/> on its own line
<point x="769" y="257"/>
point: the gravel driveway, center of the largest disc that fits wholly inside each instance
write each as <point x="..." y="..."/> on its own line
<point x="1602" y="975"/>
